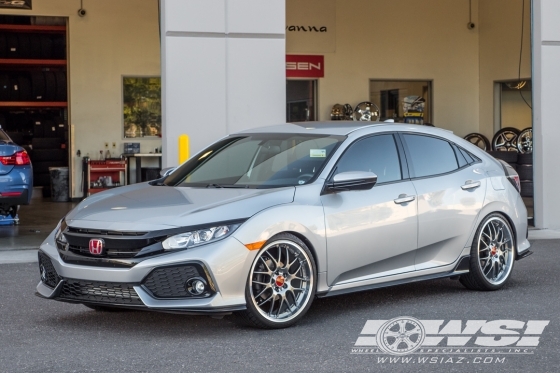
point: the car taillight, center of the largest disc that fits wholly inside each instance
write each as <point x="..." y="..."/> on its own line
<point x="514" y="180"/>
<point x="20" y="158"/>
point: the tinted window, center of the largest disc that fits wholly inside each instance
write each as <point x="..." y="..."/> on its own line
<point x="377" y="154"/>
<point x="460" y="157"/>
<point x="430" y="156"/>
<point x="468" y="156"/>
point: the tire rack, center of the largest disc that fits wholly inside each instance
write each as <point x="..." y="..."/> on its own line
<point x="33" y="93"/>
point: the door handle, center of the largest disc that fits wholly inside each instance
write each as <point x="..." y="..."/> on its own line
<point x="403" y="198"/>
<point x="469" y="184"/>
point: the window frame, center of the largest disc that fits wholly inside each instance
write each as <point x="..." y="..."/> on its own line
<point x="405" y="175"/>
<point x="453" y="146"/>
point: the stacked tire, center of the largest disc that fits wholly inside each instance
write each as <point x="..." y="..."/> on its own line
<point x="525" y="171"/>
<point x="33" y="86"/>
<point x="47" y="152"/>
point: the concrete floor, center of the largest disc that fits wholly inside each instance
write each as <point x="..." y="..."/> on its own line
<point x="36" y="221"/>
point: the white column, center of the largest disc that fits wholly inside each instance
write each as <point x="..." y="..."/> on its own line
<point x="546" y="118"/>
<point x="223" y="69"/>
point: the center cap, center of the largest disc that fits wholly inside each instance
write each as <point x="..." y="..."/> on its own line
<point x="494" y="250"/>
<point x="280" y="281"/>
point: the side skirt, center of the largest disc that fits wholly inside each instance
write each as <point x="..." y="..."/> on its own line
<point x="461" y="268"/>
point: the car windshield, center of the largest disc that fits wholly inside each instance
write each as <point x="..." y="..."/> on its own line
<point x="257" y="161"/>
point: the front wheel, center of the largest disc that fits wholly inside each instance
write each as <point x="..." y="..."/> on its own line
<point x="492" y="255"/>
<point x="281" y="283"/>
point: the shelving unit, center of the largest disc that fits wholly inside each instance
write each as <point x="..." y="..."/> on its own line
<point x="116" y="169"/>
<point x="34" y="93"/>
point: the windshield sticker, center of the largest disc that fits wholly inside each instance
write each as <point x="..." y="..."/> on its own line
<point x="317" y="153"/>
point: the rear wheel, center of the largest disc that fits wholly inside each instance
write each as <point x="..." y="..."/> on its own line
<point x="492" y="255"/>
<point x="281" y="284"/>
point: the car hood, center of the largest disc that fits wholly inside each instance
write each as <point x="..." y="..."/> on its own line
<point x="143" y="207"/>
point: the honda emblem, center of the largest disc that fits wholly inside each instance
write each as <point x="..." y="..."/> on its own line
<point x="96" y="246"/>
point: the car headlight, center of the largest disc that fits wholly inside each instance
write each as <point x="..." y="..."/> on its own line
<point x="199" y="237"/>
<point x="58" y="236"/>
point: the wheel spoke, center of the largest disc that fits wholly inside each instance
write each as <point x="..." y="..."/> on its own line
<point x="264" y="261"/>
<point x="262" y="292"/>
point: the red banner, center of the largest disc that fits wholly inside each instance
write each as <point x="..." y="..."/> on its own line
<point x="305" y="66"/>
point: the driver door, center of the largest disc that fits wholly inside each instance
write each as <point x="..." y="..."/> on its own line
<point x="371" y="233"/>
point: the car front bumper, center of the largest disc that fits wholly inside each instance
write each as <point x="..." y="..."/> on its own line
<point x="225" y="265"/>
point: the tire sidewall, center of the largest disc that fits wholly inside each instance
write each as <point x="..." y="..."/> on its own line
<point x="248" y="299"/>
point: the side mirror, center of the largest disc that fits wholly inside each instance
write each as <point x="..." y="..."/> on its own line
<point x="167" y="171"/>
<point x="353" y="180"/>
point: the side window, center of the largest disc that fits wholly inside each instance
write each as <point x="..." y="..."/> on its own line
<point x="430" y="155"/>
<point x="377" y="154"/>
<point x="468" y="156"/>
<point x="460" y="157"/>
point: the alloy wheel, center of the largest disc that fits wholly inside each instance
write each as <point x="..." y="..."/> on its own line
<point x="495" y="251"/>
<point x="281" y="281"/>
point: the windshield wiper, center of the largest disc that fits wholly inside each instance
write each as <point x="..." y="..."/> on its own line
<point x="227" y="186"/>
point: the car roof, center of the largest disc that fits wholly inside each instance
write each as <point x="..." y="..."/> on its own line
<point x="340" y="128"/>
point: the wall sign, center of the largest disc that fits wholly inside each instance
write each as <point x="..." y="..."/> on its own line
<point x="18" y="4"/>
<point x="310" y="26"/>
<point x="305" y="66"/>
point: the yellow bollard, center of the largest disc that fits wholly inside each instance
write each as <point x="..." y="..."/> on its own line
<point x="183" y="148"/>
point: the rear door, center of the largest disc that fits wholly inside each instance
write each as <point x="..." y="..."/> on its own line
<point x="371" y="233"/>
<point x="451" y="191"/>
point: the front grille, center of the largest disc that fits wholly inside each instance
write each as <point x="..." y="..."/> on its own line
<point x="117" y="244"/>
<point x="169" y="282"/>
<point x="100" y="292"/>
<point x="47" y="272"/>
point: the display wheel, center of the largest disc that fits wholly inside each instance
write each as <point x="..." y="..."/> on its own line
<point x="479" y="140"/>
<point x="366" y="112"/>
<point x="505" y="140"/>
<point x="525" y="141"/>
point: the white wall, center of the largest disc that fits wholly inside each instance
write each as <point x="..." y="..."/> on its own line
<point x="115" y="38"/>
<point x="546" y="80"/>
<point x="500" y="41"/>
<point x="406" y="39"/>
<point x="223" y="69"/>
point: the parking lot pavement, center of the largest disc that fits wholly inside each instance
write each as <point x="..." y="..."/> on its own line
<point x="48" y="336"/>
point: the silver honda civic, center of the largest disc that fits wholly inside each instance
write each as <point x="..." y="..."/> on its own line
<point x="263" y="221"/>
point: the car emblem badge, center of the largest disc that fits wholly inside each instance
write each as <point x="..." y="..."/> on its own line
<point x="96" y="246"/>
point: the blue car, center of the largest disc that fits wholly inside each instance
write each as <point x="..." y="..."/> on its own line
<point x="16" y="177"/>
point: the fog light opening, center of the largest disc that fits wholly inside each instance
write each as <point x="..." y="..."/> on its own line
<point x="196" y="286"/>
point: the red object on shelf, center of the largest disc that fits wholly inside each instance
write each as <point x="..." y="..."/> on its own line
<point x="33" y="104"/>
<point x="31" y="62"/>
<point x="33" y="28"/>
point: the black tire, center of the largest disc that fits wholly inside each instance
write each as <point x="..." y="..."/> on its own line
<point x="50" y="128"/>
<point x="526" y="188"/>
<point x="45" y="143"/>
<point x="514" y="166"/>
<point x="35" y="46"/>
<point x="525" y="172"/>
<point x="24" y="46"/>
<point x="3" y="46"/>
<point x="475" y="279"/>
<point x="509" y="157"/>
<point x="252" y="316"/>
<point x="106" y="308"/>
<point x="24" y="86"/>
<point x="61" y="86"/>
<point x="5" y="88"/>
<point x="43" y="167"/>
<point x="38" y="86"/>
<point x="14" y="92"/>
<point x="46" y="47"/>
<point x="59" y="47"/>
<point x="16" y="137"/>
<point x="526" y="158"/>
<point x="479" y="140"/>
<point x="12" y="46"/>
<point x="50" y="86"/>
<point x="45" y="155"/>
<point x="511" y="144"/>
